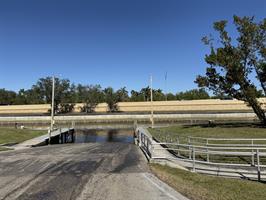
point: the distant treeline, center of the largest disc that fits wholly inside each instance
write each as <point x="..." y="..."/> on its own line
<point x="67" y="94"/>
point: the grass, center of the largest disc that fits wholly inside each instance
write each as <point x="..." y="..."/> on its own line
<point x="202" y="187"/>
<point x="219" y="131"/>
<point x="12" y="135"/>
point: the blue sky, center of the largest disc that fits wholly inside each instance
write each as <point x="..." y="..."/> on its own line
<point x="111" y="42"/>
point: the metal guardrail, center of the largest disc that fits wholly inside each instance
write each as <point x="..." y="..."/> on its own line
<point x="207" y="141"/>
<point x="193" y="152"/>
<point x="145" y="142"/>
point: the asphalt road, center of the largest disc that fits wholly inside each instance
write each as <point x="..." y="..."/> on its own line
<point x="98" y="171"/>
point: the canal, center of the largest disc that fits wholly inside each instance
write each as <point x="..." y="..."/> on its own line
<point x="85" y="135"/>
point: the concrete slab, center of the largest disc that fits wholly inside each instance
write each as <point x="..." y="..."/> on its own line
<point x="97" y="171"/>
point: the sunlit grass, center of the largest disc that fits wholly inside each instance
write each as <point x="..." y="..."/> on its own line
<point x="202" y="187"/>
<point x="12" y="135"/>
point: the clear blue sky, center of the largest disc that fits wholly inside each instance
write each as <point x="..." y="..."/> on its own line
<point x="111" y="42"/>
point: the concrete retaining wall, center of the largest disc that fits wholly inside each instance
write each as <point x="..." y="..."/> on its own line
<point x="132" y="118"/>
<point x="159" y="106"/>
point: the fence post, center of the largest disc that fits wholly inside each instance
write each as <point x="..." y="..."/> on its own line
<point x="140" y="138"/>
<point x="207" y="149"/>
<point x="252" y="156"/>
<point x="148" y="150"/>
<point x="151" y="152"/>
<point x="177" y="140"/>
<point x="208" y="156"/>
<point x="147" y="142"/>
<point x="73" y="124"/>
<point x="193" y="155"/>
<point x="189" y="148"/>
<point x="258" y="164"/>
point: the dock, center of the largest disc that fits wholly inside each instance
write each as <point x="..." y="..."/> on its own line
<point x="61" y="135"/>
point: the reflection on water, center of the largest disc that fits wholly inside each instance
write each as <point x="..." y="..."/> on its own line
<point x="109" y="135"/>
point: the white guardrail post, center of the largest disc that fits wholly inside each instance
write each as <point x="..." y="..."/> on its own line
<point x="252" y="155"/>
<point x="208" y="156"/>
<point x="258" y="164"/>
<point x="189" y="148"/>
<point x="193" y="157"/>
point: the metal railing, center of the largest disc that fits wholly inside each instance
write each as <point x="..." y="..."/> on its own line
<point x="145" y="142"/>
<point x="249" y="156"/>
<point x="210" y="141"/>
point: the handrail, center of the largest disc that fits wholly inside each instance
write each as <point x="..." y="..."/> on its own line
<point x="145" y="142"/>
<point x="194" y="154"/>
<point x="207" y="147"/>
<point x="216" y="139"/>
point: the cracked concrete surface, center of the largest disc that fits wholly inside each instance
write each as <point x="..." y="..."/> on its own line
<point x="98" y="171"/>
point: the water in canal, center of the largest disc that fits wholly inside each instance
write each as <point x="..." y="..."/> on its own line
<point x="104" y="135"/>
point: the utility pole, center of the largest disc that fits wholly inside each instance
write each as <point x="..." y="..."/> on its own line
<point x="52" y="110"/>
<point x="152" y="120"/>
<point x="165" y="79"/>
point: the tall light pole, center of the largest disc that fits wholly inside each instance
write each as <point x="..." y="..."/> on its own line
<point x="152" y="120"/>
<point x="165" y="79"/>
<point x="52" y="110"/>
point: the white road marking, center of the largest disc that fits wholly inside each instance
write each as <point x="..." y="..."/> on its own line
<point x="159" y="187"/>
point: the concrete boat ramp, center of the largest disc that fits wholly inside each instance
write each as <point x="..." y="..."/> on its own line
<point x="96" y="171"/>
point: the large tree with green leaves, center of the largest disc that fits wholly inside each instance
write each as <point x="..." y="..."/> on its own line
<point x="111" y="99"/>
<point x="7" y="97"/>
<point x="193" y="94"/>
<point x="63" y="96"/>
<point x="122" y="95"/>
<point x="237" y="67"/>
<point x="145" y="95"/>
<point x="92" y="96"/>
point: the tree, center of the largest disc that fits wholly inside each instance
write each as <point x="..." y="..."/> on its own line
<point x="122" y="94"/>
<point x="170" y="96"/>
<point x="21" y="98"/>
<point x="193" y="94"/>
<point x="111" y="99"/>
<point x="92" y="96"/>
<point x="232" y="64"/>
<point x="158" y="95"/>
<point x="7" y="97"/>
<point x="145" y="94"/>
<point x="136" y="96"/>
<point x="62" y="99"/>
<point x="80" y="92"/>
